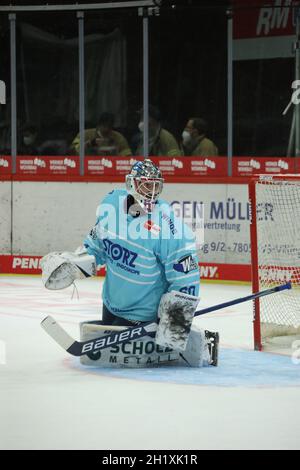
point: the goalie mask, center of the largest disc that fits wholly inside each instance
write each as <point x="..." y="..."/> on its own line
<point x="145" y="184"/>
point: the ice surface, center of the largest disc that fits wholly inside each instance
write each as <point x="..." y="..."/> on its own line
<point x="49" y="401"/>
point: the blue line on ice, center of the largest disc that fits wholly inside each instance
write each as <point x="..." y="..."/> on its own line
<point x="237" y="368"/>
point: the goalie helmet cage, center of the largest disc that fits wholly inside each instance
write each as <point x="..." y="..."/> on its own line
<point x="275" y="259"/>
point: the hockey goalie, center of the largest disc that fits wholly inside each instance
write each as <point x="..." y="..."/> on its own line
<point x="152" y="275"/>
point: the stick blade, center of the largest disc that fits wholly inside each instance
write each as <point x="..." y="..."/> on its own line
<point x="57" y="332"/>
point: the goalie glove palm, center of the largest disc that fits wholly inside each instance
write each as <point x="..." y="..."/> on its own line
<point x="59" y="270"/>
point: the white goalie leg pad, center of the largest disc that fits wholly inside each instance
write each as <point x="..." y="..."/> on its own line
<point x="197" y="352"/>
<point x="132" y="354"/>
<point x="60" y="270"/>
<point x="175" y="312"/>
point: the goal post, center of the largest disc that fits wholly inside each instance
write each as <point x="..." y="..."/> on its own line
<point x="275" y="259"/>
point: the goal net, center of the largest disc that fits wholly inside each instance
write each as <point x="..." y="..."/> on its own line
<point x="275" y="257"/>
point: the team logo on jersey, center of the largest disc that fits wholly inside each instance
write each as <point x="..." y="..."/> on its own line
<point x="152" y="227"/>
<point x="185" y="264"/>
<point x="120" y="256"/>
<point x="118" y="253"/>
<point x="170" y="223"/>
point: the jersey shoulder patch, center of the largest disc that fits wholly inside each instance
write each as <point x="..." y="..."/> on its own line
<point x="186" y="264"/>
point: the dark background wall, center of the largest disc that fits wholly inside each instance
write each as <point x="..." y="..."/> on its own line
<point x="188" y="76"/>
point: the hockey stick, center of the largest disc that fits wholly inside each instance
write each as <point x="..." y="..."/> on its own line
<point x="77" y="348"/>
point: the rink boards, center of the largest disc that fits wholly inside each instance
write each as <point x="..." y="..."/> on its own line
<point x="38" y="217"/>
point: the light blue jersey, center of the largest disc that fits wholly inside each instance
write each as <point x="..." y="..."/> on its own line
<point x="145" y="256"/>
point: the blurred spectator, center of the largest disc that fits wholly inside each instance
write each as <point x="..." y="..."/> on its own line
<point x="29" y="144"/>
<point x="57" y="137"/>
<point x="161" y="141"/>
<point x="32" y="144"/>
<point x="194" y="140"/>
<point x="53" y="147"/>
<point x="102" y="140"/>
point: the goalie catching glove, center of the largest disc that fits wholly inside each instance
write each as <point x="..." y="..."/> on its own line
<point x="59" y="270"/>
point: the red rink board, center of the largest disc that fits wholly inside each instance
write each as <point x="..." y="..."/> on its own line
<point x="44" y="166"/>
<point x="5" y="165"/>
<point x="170" y="166"/>
<point x="250" y="166"/>
<point x="21" y="264"/>
<point x="41" y="168"/>
<point x="16" y="264"/>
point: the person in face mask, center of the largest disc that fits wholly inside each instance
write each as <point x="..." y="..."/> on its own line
<point x="102" y="140"/>
<point x="194" y="140"/>
<point x="29" y="141"/>
<point x="161" y="141"/>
